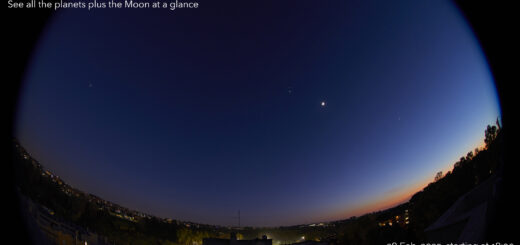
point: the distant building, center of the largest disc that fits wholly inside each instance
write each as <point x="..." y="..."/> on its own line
<point x="403" y="220"/>
<point x="330" y="240"/>
<point x="235" y="241"/>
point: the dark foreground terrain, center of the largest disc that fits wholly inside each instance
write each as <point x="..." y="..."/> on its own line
<point x="458" y="206"/>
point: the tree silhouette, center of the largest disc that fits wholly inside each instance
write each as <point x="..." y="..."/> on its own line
<point x="438" y="176"/>
<point x="490" y="134"/>
<point x="469" y="156"/>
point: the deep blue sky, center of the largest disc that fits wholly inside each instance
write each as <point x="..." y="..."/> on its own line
<point x="195" y="114"/>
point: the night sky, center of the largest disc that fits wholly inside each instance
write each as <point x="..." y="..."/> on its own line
<point x="196" y="114"/>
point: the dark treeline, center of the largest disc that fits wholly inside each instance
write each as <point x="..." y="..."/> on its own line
<point x="426" y="206"/>
<point x="423" y="209"/>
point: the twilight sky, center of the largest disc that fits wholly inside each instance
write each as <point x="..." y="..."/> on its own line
<point x="195" y="114"/>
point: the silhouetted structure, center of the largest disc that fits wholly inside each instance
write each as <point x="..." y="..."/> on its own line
<point x="233" y="241"/>
<point x="47" y="229"/>
<point x="313" y="243"/>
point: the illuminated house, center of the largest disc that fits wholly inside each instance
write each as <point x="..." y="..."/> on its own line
<point x="401" y="220"/>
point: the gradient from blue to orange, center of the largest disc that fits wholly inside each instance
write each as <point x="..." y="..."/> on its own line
<point x="195" y="114"/>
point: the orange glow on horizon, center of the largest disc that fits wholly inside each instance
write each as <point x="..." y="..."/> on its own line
<point x="389" y="200"/>
<point x="393" y="199"/>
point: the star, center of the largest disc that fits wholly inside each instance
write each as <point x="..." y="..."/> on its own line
<point x="323" y="104"/>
